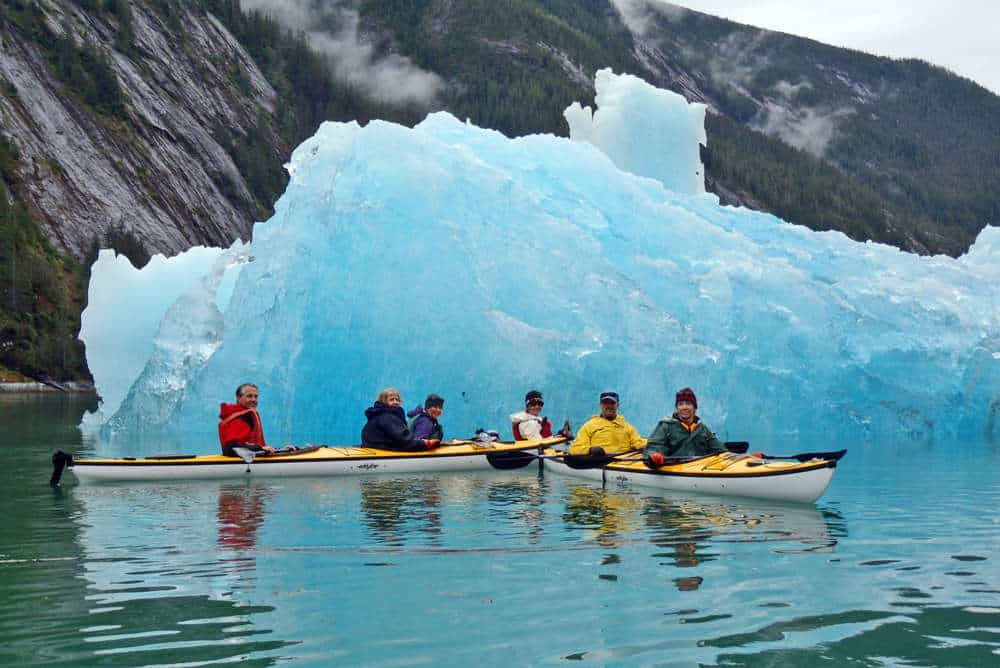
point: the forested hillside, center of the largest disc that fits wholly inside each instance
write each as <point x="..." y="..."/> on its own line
<point x="153" y="125"/>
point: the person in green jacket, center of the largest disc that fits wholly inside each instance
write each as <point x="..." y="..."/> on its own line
<point x="681" y="435"/>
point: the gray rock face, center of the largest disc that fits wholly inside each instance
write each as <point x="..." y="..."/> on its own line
<point x="159" y="173"/>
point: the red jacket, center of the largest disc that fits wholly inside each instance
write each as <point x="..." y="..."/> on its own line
<point x="240" y="425"/>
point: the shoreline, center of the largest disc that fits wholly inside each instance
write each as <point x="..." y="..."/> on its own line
<point x="36" y="387"/>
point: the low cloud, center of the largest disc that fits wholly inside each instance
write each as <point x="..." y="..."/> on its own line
<point x="638" y="15"/>
<point x="790" y="90"/>
<point x="738" y="58"/>
<point x="332" y="31"/>
<point x="809" y="129"/>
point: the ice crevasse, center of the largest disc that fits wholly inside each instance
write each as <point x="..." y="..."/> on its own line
<point x="449" y="258"/>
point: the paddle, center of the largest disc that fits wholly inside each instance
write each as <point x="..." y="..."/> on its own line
<point x="593" y="461"/>
<point x="740" y="447"/>
<point x="514" y="459"/>
<point x="60" y="460"/>
<point x="835" y="455"/>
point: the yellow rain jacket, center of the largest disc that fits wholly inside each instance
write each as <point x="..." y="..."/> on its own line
<point x="615" y="436"/>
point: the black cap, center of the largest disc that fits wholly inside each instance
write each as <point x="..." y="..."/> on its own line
<point x="533" y="394"/>
<point x="609" y="396"/>
<point x="433" y="400"/>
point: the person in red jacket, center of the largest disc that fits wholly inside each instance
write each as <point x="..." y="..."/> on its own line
<point x="239" y="423"/>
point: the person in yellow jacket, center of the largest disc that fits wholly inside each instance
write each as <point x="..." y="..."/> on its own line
<point x="607" y="433"/>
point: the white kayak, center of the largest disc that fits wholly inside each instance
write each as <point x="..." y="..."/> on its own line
<point x="802" y="480"/>
<point x="310" y="461"/>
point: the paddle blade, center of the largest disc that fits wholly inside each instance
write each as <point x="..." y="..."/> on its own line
<point x="60" y="460"/>
<point x="831" y="456"/>
<point x="508" y="461"/>
<point x="587" y="461"/>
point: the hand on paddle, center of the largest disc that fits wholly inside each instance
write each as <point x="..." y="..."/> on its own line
<point x="657" y="459"/>
<point x="431" y="443"/>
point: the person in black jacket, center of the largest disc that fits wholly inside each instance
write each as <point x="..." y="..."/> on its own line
<point x="386" y="428"/>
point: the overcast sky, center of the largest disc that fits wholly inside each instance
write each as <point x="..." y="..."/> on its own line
<point x="963" y="35"/>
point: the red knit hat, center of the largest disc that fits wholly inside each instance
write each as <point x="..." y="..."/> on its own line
<point x="686" y="394"/>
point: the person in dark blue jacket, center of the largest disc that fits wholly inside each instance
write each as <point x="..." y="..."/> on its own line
<point x="386" y="427"/>
<point x="424" y="419"/>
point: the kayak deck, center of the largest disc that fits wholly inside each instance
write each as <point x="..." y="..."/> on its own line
<point x="314" y="461"/>
<point x="725" y="473"/>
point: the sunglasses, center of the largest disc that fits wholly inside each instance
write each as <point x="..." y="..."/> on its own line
<point x="536" y="402"/>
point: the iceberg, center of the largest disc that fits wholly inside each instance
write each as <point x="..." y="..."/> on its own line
<point x="449" y="258"/>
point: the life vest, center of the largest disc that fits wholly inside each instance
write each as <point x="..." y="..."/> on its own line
<point x="438" y="432"/>
<point x="546" y="430"/>
<point x="229" y="431"/>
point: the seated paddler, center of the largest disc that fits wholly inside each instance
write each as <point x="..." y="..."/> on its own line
<point x="386" y="428"/>
<point x="683" y="434"/>
<point x="239" y="423"/>
<point x="425" y="418"/>
<point x="607" y="433"/>
<point x="529" y="424"/>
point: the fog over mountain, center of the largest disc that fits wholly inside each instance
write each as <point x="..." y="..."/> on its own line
<point x="333" y="30"/>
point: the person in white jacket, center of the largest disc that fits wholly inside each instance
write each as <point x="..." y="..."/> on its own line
<point x="526" y="424"/>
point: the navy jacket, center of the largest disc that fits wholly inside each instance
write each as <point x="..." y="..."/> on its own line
<point x="386" y="428"/>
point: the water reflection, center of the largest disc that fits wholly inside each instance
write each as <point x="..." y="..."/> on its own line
<point x="393" y="508"/>
<point x="412" y="512"/>
<point x="240" y="514"/>
<point x="691" y="531"/>
<point x="954" y="636"/>
<point x="163" y="583"/>
<point x="606" y="516"/>
<point x="519" y="504"/>
<point x="684" y="528"/>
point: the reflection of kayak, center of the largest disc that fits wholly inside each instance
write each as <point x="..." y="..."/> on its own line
<point x="312" y="461"/>
<point x="726" y="473"/>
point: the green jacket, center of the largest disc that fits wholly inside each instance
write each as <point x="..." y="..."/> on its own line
<point x="672" y="439"/>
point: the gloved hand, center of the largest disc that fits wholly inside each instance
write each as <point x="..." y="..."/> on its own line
<point x="656" y="459"/>
<point x="758" y="455"/>
<point x="597" y="451"/>
<point x="430" y="443"/>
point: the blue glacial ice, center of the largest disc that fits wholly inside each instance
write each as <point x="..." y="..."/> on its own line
<point x="449" y="258"/>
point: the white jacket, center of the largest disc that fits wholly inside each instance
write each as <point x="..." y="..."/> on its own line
<point x="529" y="425"/>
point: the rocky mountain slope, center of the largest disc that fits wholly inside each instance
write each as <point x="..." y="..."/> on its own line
<point x="157" y="167"/>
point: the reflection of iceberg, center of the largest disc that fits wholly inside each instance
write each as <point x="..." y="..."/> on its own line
<point x="156" y="583"/>
<point x="683" y="522"/>
<point x="450" y="258"/>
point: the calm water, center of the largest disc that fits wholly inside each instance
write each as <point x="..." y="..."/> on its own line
<point x="897" y="565"/>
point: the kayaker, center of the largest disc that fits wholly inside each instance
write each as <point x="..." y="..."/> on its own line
<point x="526" y="424"/>
<point x="239" y="423"/>
<point x="424" y="418"/>
<point x="607" y="433"/>
<point x="683" y="434"/>
<point x="386" y="427"/>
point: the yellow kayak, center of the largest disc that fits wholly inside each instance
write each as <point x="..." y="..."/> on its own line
<point x="799" y="478"/>
<point x="457" y="455"/>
